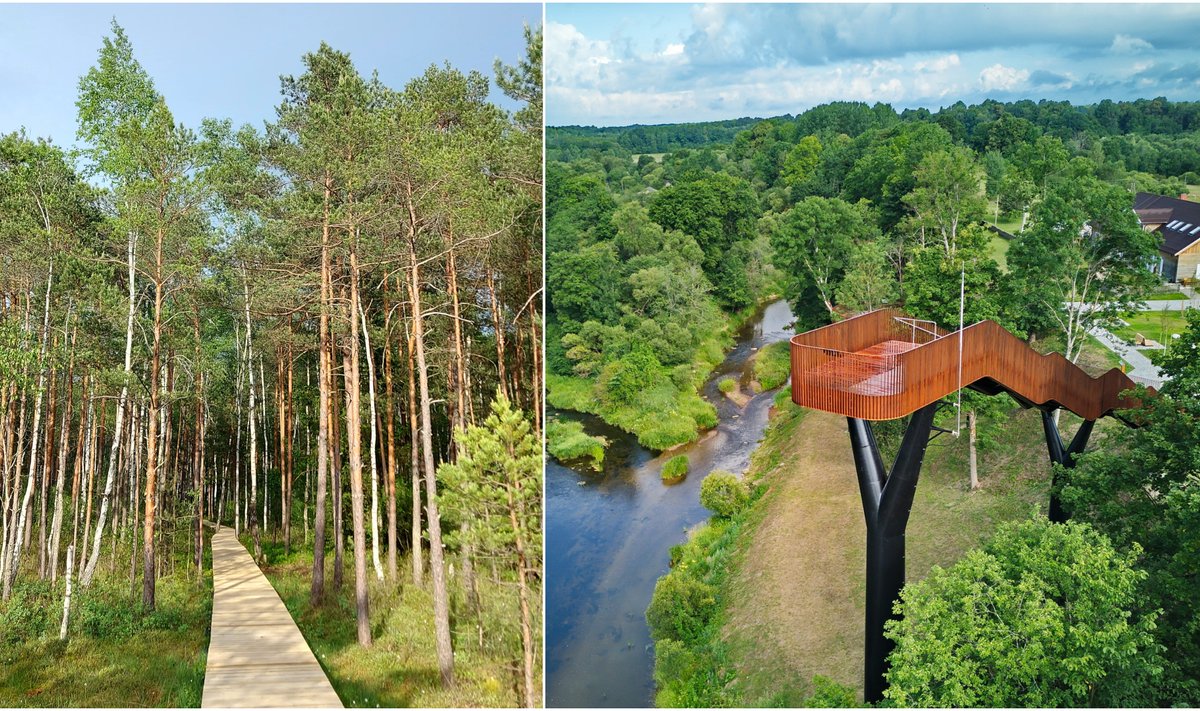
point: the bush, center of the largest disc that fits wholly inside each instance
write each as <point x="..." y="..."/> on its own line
<point x="680" y="607"/>
<point x="675" y="467"/>
<point x="1042" y="615"/>
<point x="727" y="385"/>
<point x="724" y="494"/>
<point x="28" y="613"/>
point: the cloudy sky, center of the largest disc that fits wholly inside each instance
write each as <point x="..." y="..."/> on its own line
<point x="224" y="60"/>
<point x="621" y="64"/>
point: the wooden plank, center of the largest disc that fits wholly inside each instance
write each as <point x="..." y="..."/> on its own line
<point x="257" y="657"/>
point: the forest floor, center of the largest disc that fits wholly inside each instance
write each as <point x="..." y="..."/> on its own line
<point x="116" y="655"/>
<point x="400" y="669"/>
<point x="796" y="585"/>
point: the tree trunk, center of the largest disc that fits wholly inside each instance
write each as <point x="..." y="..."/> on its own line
<point x="374" y="429"/>
<point x="971" y="438"/>
<point x="317" y="591"/>
<point x="353" y="387"/>
<point x="441" y="594"/>
<point x="418" y="563"/>
<point x="252" y="510"/>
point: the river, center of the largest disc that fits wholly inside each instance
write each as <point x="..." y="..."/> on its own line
<point x="609" y="534"/>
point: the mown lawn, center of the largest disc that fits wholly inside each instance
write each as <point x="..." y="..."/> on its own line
<point x="400" y="669"/>
<point x="1155" y="325"/>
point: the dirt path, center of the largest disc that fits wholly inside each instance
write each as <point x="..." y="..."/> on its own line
<point x="791" y="617"/>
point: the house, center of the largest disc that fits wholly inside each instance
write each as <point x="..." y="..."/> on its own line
<point x="1178" y="221"/>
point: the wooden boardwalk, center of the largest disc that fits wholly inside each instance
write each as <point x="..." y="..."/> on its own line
<point x="256" y="655"/>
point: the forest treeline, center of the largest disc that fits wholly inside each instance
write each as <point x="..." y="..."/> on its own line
<point x="298" y="330"/>
<point x="1149" y="135"/>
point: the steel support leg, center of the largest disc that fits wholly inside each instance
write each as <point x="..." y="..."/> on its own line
<point x="1064" y="456"/>
<point x="887" y="501"/>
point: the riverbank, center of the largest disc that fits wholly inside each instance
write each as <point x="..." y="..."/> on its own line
<point x="668" y="413"/>
<point x="786" y="575"/>
<point x="612" y="531"/>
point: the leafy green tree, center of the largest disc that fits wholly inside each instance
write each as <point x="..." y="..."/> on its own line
<point x="813" y="242"/>
<point x="947" y="196"/>
<point x="1042" y="615"/>
<point x="1143" y="488"/>
<point x="1083" y="262"/>
<point x="869" y="281"/>
<point x="801" y="161"/>
<point x="718" y="211"/>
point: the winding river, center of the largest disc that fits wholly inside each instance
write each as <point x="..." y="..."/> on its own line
<point x="609" y="534"/>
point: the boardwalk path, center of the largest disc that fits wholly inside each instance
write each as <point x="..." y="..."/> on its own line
<point x="257" y="656"/>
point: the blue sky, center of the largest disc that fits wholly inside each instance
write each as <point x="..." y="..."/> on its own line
<point x="224" y="61"/>
<point x="623" y="64"/>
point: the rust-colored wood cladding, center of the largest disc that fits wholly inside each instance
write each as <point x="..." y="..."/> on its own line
<point x="875" y="367"/>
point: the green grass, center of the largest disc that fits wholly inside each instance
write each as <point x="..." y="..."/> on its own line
<point x="1166" y="296"/>
<point x="566" y="441"/>
<point x="998" y="248"/>
<point x="1155" y="325"/>
<point x="675" y="468"/>
<point x="773" y="365"/>
<point x="727" y="385"/>
<point x="400" y="669"/>
<point x="661" y="417"/>
<point x="116" y="654"/>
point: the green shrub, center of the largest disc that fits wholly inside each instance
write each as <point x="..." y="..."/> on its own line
<point x="675" y="467"/>
<point x="724" y="494"/>
<point x="680" y="607"/>
<point x="28" y="613"/>
<point x="727" y="385"/>
<point x="566" y="440"/>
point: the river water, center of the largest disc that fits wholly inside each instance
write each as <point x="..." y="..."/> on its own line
<point x="609" y="534"/>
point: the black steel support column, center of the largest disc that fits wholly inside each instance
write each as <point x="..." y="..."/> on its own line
<point x="1064" y="456"/>
<point x="887" y="501"/>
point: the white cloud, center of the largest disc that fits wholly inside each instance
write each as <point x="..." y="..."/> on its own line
<point x="572" y="57"/>
<point x="1001" y="78"/>
<point x="1124" y="44"/>
<point x="673" y="50"/>
<point x="938" y="64"/>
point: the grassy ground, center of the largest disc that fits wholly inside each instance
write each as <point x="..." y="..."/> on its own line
<point x="1155" y="325"/>
<point x="400" y="669"/>
<point x="116" y="655"/>
<point x="797" y="587"/>
<point x="772" y="366"/>
<point x="1166" y="296"/>
<point x="998" y="249"/>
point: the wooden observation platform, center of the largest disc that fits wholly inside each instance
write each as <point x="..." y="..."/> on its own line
<point x="883" y="365"/>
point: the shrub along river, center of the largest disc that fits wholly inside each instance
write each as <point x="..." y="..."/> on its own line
<point x="609" y="534"/>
